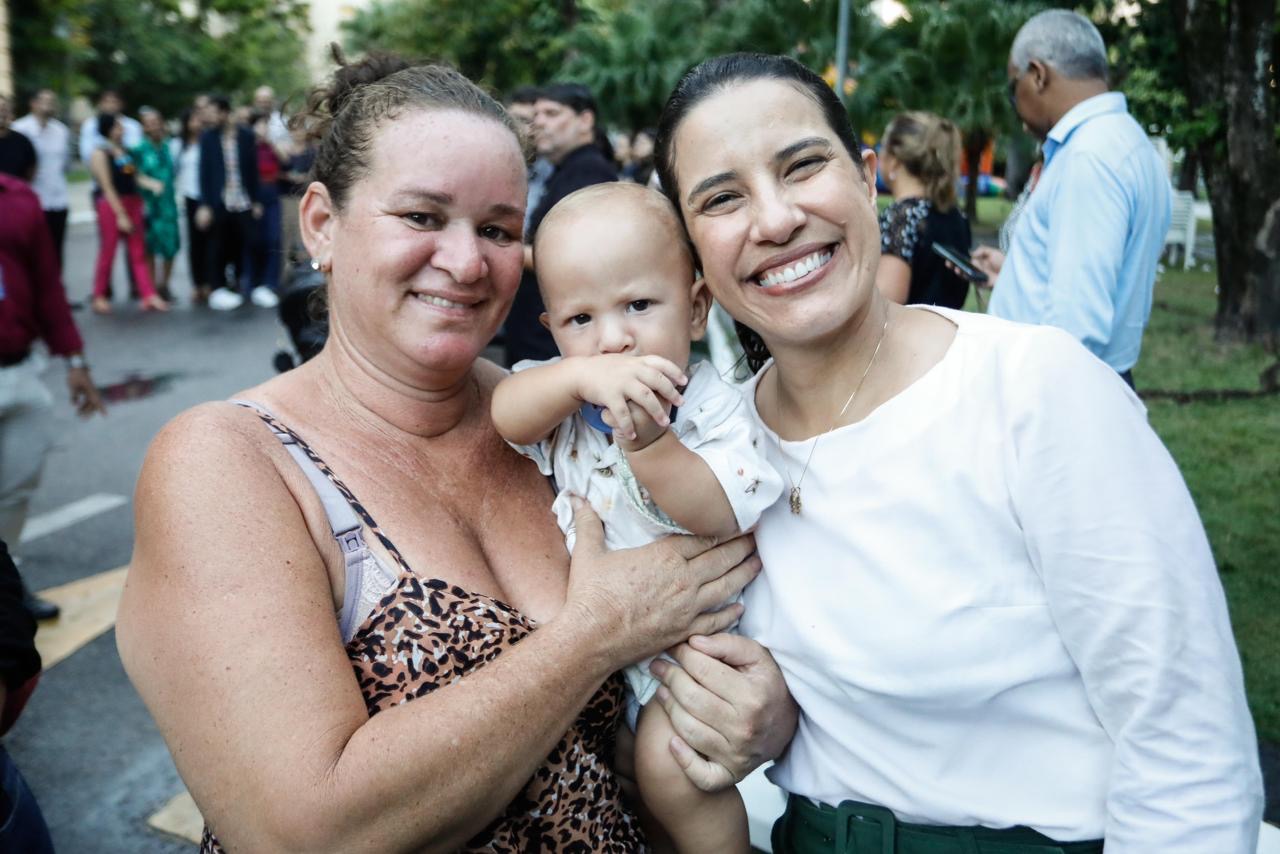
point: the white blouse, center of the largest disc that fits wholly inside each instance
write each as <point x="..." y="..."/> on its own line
<point x="998" y="607"/>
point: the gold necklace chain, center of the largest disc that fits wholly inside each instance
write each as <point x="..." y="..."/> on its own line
<point x="794" y="498"/>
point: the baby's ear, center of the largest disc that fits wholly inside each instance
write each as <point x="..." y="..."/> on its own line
<point x="700" y="308"/>
<point x="545" y="321"/>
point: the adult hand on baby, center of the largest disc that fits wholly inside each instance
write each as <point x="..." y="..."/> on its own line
<point x="615" y="380"/>
<point x="729" y="706"/>
<point x="641" y="601"/>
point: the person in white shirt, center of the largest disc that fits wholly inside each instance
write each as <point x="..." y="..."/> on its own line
<point x="52" y="141"/>
<point x="264" y="101"/>
<point x="989" y="591"/>
<point x="111" y="103"/>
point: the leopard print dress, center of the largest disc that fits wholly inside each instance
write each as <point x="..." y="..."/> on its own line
<point x="426" y="634"/>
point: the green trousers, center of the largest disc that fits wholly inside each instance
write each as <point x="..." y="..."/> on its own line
<point x="854" y="828"/>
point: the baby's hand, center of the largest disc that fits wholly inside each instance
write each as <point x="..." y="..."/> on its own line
<point x="615" y="380"/>
<point x="646" y="431"/>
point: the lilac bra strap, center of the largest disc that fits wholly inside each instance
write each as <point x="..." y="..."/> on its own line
<point x="343" y="520"/>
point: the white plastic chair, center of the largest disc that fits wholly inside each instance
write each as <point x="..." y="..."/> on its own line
<point x="1182" y="227"/>
<point x="1269" y="839"/>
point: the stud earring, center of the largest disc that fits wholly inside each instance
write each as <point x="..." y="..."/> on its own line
<point x="315" y="264"/>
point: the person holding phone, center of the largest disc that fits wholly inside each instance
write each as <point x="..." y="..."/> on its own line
<point x="919" y="163"/>
<point x="1083" y="254"/>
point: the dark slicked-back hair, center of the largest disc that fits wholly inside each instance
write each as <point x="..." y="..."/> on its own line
<point x="575" y="96"/>
<point x="524" y="95"/>
<point x="716" y="75"/>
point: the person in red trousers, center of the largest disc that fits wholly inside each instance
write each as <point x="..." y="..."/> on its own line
<point x="119" y="207"/>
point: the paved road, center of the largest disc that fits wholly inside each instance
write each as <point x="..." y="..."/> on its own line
<point x="85" y="743"/>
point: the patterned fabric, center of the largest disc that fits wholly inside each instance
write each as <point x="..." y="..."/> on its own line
<point x="161" y="211"/>
<point x="426" y="634"/>
<point x="234" y="197"/>
<point x="900" y="226"/>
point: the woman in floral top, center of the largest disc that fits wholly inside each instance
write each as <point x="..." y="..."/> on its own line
<point x="919" y="156"/>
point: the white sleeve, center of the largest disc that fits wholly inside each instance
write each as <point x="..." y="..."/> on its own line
<point x="731" y="443"/>
<point x="1134" y="592"/>
<point x="88" y="138"/>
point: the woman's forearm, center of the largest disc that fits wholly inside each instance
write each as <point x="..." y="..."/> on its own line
<point x="430" y="774"/>
<point x="475" y="748"/>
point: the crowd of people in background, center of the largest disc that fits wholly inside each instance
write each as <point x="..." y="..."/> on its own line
<point x="232" y="175"/>
<point x="573" y="150"/>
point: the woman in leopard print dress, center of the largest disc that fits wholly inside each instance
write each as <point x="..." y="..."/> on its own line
<point x="466" y="696"/>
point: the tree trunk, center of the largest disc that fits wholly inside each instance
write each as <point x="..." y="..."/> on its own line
<point x="974" y="143"/>
<point x="1229" y="48"/>
<point x="1189" y="172"/>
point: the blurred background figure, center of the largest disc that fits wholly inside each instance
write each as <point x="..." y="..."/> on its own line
<point x="620" y="142"/>
<point x="17" y="154"/>
<point x="111" y="104"/>
<point x="185" y="151"/>
<point x="566" y="134"/>
<point x="22" y="825"/>
<point x="1084" y="254"/>
<point x="522" y="107"/>
<point x="52" y="142"/>
<point x="118" y="200"/>
<point x="919" y="161"/>
<point x="35" y="311"/>
<point x="264" y="250"/>
<point x="640" y="169"/>
<point x="160" y="207"/>
<point x="228" y="202"/>
<point x="264" y="103"/>
<point x="293" y="183"/>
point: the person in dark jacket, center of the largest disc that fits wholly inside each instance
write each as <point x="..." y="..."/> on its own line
<point x="22" y="825"/>
<point x="564" y="132"/>
<point x="229" y="202"/>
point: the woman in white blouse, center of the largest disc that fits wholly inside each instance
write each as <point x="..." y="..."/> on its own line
<point x="989" y="590"/>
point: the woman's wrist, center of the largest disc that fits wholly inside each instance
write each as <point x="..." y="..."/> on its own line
<point x="586" y="633"/>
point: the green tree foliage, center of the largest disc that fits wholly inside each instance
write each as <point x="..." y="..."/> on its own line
<point x="158" y="52"/>
<point x="498" y="43"/>
<point x="949" y="58"/>
<point x="632" y="56"/>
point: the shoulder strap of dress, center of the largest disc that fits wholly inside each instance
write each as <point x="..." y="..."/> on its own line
<point x="343" y="519"/>
<point x="345" y="513"/>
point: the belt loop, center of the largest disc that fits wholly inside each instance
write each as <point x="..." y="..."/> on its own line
<point x="852" y="811"/>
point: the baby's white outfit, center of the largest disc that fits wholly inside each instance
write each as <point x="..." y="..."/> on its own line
<point x="714" y="422"/>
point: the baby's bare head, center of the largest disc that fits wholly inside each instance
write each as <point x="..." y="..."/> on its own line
<point x="609" y="234"/>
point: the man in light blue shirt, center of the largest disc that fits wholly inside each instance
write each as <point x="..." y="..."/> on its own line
<point x="1083" y="254"/>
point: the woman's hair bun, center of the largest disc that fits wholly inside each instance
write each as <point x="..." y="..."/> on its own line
<point x="326" y="101"/>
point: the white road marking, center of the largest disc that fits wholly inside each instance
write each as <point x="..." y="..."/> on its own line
<point x="70" y="514"/>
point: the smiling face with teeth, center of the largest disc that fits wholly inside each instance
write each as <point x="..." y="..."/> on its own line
<point x="783" y="218"/>
<point x="426" y="252"/>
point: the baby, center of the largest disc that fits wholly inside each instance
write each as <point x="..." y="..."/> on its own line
<point x="657" y="446"/>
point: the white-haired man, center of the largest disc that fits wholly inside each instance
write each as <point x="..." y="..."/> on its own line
<point x="1083" y="254"/>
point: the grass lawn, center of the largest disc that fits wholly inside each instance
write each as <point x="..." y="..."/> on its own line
<point x="1229" y="453"/>
<point x="992" y="210"/>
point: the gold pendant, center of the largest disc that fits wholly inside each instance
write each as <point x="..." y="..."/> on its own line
<point x="795" y="500"/>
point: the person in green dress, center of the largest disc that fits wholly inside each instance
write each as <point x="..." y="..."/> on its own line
<point x="156" y="162"/>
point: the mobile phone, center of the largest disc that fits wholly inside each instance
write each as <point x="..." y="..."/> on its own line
<point x="961" y="263"/>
